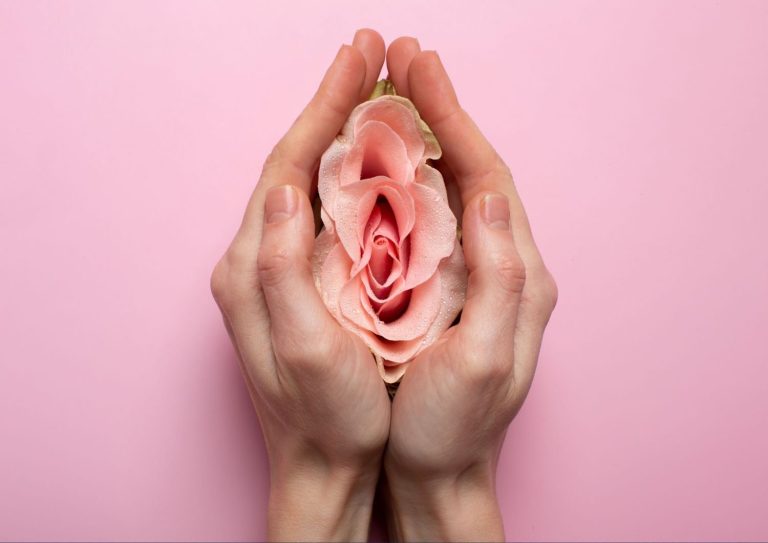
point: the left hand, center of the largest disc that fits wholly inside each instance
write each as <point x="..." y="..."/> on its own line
<point x="454" y="404"/>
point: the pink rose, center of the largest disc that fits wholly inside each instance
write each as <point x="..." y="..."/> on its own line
<point x="388" y="263"/>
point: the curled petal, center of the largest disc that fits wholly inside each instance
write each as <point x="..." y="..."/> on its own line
<point x="390" y="372"/>
<point x="377" y="151"/>
<point x="380" y="294"/>
<point x="332" y="274"/>
<point x="432" y="239"/>
<point x="430" y="177"/>
<point x="324" y="243"/>
<point x="400" y="114"/>
<point x="387" y="264"/>
<point x="414" y="322"/>
<point x="381" y="261"/>
<point x="328" y="175"/>
<point x="355" y="204"/>
<point x="453" y="286"/>
<point x="396" y="112"/>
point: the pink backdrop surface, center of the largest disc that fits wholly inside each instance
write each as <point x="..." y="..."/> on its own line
<point x="131" y="135"/>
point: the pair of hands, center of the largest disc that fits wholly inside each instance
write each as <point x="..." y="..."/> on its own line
<point x="328" y="423"/>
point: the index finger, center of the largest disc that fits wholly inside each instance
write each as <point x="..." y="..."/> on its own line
<point x="472" y="158"/>
<point x="313" y="131"/>
<point x="291" y="162"/>
<point x="476" y="165"/>
<point x="294" y="158"/>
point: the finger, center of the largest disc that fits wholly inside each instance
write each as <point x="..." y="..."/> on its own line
<point x="470" y="156"/>
<point x="294" y="158"/>
<point x="496" y="280"/>
<point x="371" y="45"/>
<point x="311" y="134"/>
<point x="472" y="159"/>
<point x="399" y="57"/>
<point x="235" y="280"/>
<point x="477" y="168"/>
<point x="299" y="320"/>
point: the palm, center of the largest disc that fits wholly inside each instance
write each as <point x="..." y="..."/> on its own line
<point x="431" y="408"/>
<point x="357" y="391"/>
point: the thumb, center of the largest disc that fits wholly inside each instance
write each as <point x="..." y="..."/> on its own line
<point x="496" y="279"/>
<point x="299" y="321"/>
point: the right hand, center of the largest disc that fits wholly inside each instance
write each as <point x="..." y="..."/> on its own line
<point x="323" y="408"/>
<point x="452" y="409"/>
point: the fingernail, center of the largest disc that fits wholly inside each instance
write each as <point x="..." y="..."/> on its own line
<point x="413" y="40"/>
<point x="494" y="209"/>
<point x="281" y="204"/>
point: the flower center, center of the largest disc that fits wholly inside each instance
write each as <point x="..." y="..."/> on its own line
<point x="381" y="261"/>
<point x="387" y="262"/>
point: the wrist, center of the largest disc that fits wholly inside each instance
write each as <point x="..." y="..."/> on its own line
<point x="320" y="500"/>
<point x="460" y="507"/>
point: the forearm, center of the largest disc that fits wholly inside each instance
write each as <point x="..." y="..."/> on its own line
<point x="326" y="504"/>
<point x="451" y="509"/>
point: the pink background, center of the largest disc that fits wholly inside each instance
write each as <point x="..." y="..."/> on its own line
<point x="131" y="135"/>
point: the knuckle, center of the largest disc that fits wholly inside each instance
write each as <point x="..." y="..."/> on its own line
<point x="551" y="291"/>
<point x="224" y="284"/>
<point x="219" y="281"/>
<point x="231" y="280"/>
<point x="330" y="102"/>
<point x="511" y="273"/>
<point x="281" y="162"/>
<point x="277" y="161"/>
<point x="541" y="293"/>
<point x="273" y="265"/>
<point x="273" y="158"/>
<point x="502" y="168"/>
<point x="484" y="362"/>
<point x="487" y="369"/>
<point x="305" y="357"/>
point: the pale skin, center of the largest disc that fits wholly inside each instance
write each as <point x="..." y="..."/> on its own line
<point x="329" y="426"/>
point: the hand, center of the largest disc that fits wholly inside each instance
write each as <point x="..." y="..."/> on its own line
<point x="452" y="409"/>
<point x="323" y="408"/>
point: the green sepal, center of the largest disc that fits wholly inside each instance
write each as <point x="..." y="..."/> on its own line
<point x="383" y="88"/>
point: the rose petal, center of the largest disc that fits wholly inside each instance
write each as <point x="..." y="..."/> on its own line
<point x="351" y="307"/>
<point x="395" y="269"/>
<point x="381" y="261"/>
<point x="329" y="172"/>
<point x="355" y="203"/>
<point x="394" y="308"/>
<point x="388" y="225"/>
<point x="333" y="275"/>
<point x="418" y="317"/>
<point x="453" y="286"/>
<point x="397" y="352"/>
<point x="422" y="310"/>
<point x="327" y="220"/>
<point x="389" y="371"/>
<point x="396" y="112"/>
<point x="431" y="177"/>
<point x="379" y="294"/>
<point x="387" y="136"/>
<point x="373" y="223"/>
<point x="401" y="115"/>
<point x="377" y="150"/>
<point x="432" y="237"/>
<point x="324" y="243"/>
